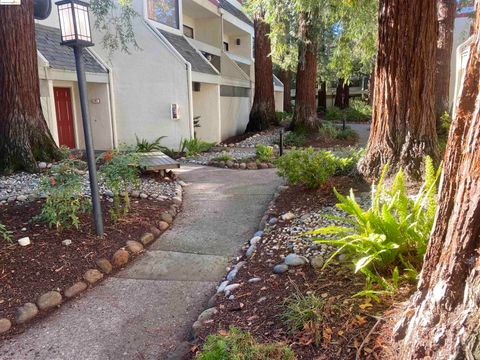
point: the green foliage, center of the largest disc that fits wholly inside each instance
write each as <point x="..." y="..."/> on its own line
<point x="224" y="157"/>
<point x="346" y="161"/>
<point x="295" y="139"/>
<point x="5" y="234"/>
<point x="64" y="196"/>
<point x="388" y="240"/>
<point x="301" y="310"/>
<point x="283" y="117"/>
<point x="328" y="130"/>
<point x="333" y="113"/>
<point x="239" y="345"/>
<point x="64" y="152"/>
<point x="347" y="133"/>
<point x="119" y="172"/>
<point x="443" y="130"/>
<point x="264" y="153"/>
<point x="311" y="168"/>
<point x="358" y="111"/>
<point x="195" y="146"/>
<point x="145" y="146"/>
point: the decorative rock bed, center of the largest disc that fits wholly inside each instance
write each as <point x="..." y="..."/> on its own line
<point x="268" y="137"/>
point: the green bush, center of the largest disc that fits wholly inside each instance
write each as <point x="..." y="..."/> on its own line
<point x="264" y="153"/>
<point x="347" y="133"/>
<point x="191" y="147"/>
<point x="5" y="234"/>
<point x="358" y="111"/>
<point x="224" y="157"/>
<point x="239" y="345"/>
<point x="145" y="146"/>
<point x="119" y="172"/>
<point x="389" y="239"/>
<point x="301" y="310"/>
<point x="347" y="160"/>
<point x="283" y="116"/>
<point x="328" y="130"/>
<point x="333" y="113"/>
<point x="64" y="197"/>
<point x="294" y="139"/>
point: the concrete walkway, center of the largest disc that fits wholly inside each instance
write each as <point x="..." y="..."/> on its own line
<point x="146" y="310"/>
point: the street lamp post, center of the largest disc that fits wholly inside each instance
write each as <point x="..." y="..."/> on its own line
<point x="76" y="33"/>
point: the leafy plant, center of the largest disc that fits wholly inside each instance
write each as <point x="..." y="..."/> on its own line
<point x="358" y="111"/>
<point x="389" y="239"/>
<point x="119" y="172"/>
<point x="295" y="139"/>
<point x="313" y="168"/>
<point x="145" y="146"/>
<point x="301" y="310"/>
<point x="264" y="153"/>
<point x="5" y="234"/>
<point x="328" y="130"/>
<point x="442" y="131"/>
<point x="347" y="133"/>
<point x="195" y="146"/>
<point x="283" y="116"/>
<point x="238" y="345"/>
<point x="333" y="113"/>
<point x="347" y="160"/>
<point x="224" y="157"/>
<point x="64" y="152"/>
<point x="64" y="196"/>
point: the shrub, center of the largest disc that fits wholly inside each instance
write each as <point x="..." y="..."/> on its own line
<point x="328" y="130"/>
<point x="224" y="157"/>
<point x="264" y="153"/>
<point x="283" y="116"/>
<point x="347" y="160"/>
<point x="239" y="345"/>
<point x="333" y="113"/>
<point x="64" y="196"/>
<point x="295" y="139"/>
<point x="119" y="172"/>
<point x="301" y="310"/>
<point x="144" y="146"/>
<point x="5" y="234"/>
<point x="347" y="133"/>
<point x="390" y="238"/>
<point x="65" y="152"/>
<point x="308" y="167"/>
<point x="195" y="146"/>
<point x="358" y="111"/>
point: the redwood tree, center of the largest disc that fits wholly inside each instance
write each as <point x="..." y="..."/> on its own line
<point x="262" y="113"/>
<point x="339" y="94"/>
<point x="443" y="319"/>
<point x="286" y="79"/>
<point x="446" y="20"/>
<point x="24" y="135"/>
<point x="322" y="96"/>
<point x="403" y="121"/>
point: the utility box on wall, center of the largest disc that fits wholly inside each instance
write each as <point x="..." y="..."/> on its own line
<point x="174" y="111"/>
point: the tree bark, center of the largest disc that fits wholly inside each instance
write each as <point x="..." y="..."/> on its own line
<point x="305" y="114"/>
<point x="403" y="128"/>
<point x="286" y="79"/>
<point x="24" y="135"/>
<point x="346" y="95"/>
<point x="339" y="94"/>
<point x="371" y="87"/>
<point x="446" y="20"/>
<point x="322" y="96"/>
<point x="443" y="319"/>
<point x="262" y="114"/>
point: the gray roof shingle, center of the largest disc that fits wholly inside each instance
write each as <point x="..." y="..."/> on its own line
<point x="239" y="14"/>
<point x="277" y="82"/>
<point x="198" y="62"/>
<point x="61" y="57"/>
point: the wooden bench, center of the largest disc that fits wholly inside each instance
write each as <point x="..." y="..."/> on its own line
<point x="155" y="161"/>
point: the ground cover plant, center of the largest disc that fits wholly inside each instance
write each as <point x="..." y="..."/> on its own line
<point x="295" y="139"/>
<point x="62" y="188"/>
<point x="239" y="345"/>
<point x="5" y="234"/>
<point x="387" y="241"/>
<point x="145" y="146"/>
<point x="264" y="153"/>
<point x="358" y="111"/>
<point x="195" y="146"/>
<point x="223" y="157"/>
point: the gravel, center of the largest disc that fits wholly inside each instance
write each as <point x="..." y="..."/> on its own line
<point x="269" y="137"/>
<point x="204" y="158"/>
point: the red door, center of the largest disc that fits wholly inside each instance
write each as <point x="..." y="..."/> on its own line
<point x="63" y="108"/>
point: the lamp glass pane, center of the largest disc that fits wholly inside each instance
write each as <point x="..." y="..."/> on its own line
<point x="66" y="22"/>
<point x="83" y="22"/>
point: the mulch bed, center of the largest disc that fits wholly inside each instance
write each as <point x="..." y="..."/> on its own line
<point x="350" y="325"/>
<point x="46" y="264"/>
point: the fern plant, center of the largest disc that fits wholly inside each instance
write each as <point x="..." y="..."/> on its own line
<point x="194" y="146"/>
<point x="388" y="240"/>
<point x="264" y="153"/>
<point x="5" y="234"/>
<point x="144" y="146"/>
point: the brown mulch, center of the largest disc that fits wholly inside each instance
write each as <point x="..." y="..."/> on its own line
<point x="317" y="141"/>
<point x="352" y="327"/>
<point x="46" y="264"/>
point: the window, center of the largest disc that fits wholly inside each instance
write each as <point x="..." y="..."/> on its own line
<point x="225" y="46"/>
<point x="188" y="31"/>
<point x="163" y="11"/>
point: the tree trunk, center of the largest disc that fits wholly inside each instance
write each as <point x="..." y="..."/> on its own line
<point x="322" y="96"/>
<point x="346" y="95"/>
<point x="339" y="94"/>
<point x="262" y="114"/>
<point x="305" y="114"/>
<point x="446" y="19"/>
<point x="403" y="128"/>
<point x="286" y="79"/>
<point x="24" y="135"/>
<point x="443" y="319"/>
<point x="371" y="87"/>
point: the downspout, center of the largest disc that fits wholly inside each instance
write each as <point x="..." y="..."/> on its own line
<point x="190" y="98"/>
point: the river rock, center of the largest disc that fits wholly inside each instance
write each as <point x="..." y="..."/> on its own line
<point x="295" y="260"/>
<point x="49" y="300"/>
<point x="104" y="265"/>
<point x="92" y="276"/>
<point x="134" y="246"/>
<point x="75" y="289"/>
<point x="5" y="325"/>
<point x="25" y="313"/>
<point x="120" y="257"/>
<point x="166" y="217"/>
<point x="163" y="225"/>
<point x="280" y="268"/>
<point x="317" y="262"/>
<point x="288" y="216"/>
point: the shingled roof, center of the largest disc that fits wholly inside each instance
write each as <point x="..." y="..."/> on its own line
<point x="239" y="14"/>
<point x="277" y="82"/>
<point x="198" y="62"/>
<point x="62" y="57"/>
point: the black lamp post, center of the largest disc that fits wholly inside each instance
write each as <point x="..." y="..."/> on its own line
<point x="75" y="28"/>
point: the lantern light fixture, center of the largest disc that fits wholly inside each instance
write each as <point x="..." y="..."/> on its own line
<point x="74" y="23"/>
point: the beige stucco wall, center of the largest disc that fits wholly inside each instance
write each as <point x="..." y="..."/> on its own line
<point x="234" y="112"/>
<point x="206" y="103"/>
<point x="278" y="95"/>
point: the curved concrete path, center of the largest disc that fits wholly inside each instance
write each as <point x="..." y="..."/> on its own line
<point x="146" y="310"/>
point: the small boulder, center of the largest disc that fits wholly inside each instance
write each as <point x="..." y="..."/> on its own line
<point x="263" y="166"/>
<point x="288" y="216"/>
<point x="143" y="196"/>
<point x="162" y="225"/>
<point x="49" y="300"/>
<point x="177" y="200"/>
<point x="134" y="247"/>
<point x="75" y="289"/>
<point x="295" y="260"/>
<point x="5" y="325"/>
<point x="221" y="164"/>
<point x="67" y="242"/>
<point x="92" y="276"/>
<point x="280" y="268"/>
<point x="146" y="238"/>
<point x="231" y="287"/>
<point x="155" y="232"/>
<point x="42" y="165"/>
<point x="120" y="258"/>
<point x="317" y="262"/>
<point x="207" y="314"/>
<point x="251" y="250"/>
<point x="255" y="240"/>
<point x="222" y="286"/>
<point x="243" y="166"/>
<point x="135" y="193"/>
<point x="229" y="164"/>
<point x="165" y="216"/>
<point x="22" y="198"/>
<point x="236" y="165"/>
<point x="273" y="221"/>
<point x="252" y="166"/>
<point x="104" y="265"/>
<point x="25" y="313"/>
